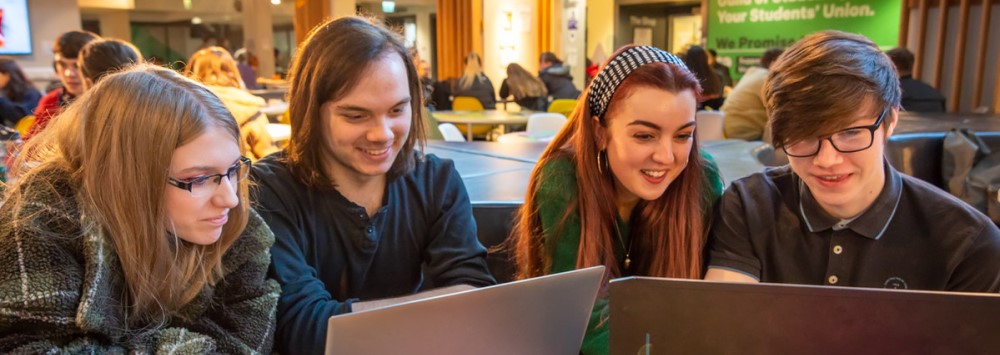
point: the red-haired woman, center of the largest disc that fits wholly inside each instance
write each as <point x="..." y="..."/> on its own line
<point x="623" y="184"/>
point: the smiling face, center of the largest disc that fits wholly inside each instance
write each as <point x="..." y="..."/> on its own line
<point x="648" y="139"/>
<point x="199" y="219"/>
<point x="366" y="128"/>
<point x="845" y="184"/>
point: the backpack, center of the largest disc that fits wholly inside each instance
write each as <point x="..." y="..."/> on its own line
<point x="971" y="171"/>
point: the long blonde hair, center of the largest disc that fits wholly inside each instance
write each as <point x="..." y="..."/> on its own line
<point x="522" y="84"/>
<point x="473" y="70"/>
<point x="214" y="66"/>
<point x="114" y="146"/>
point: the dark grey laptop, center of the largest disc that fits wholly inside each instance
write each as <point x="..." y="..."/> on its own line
<point x="671" y="316"/>
<point x="543" y="315"/>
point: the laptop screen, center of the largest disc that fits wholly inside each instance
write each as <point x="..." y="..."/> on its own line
<point x="543" y="315"/>
<point x="701" y="317"/>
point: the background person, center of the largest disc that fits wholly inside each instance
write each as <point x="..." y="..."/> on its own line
<point x="556" y="76"/>
<point x="721" y="70"/>
<point x="745" y="116"/>
<point x="476" y="84"/>
<point x="130" y="230"/>
<point x="623" y="184"/>
<point x="18" y="97"/>
<point x="529" y="92"/>
<point x="712" y="90"/>
<point x="214" y="67"/>
<point x="917" y="95"/>
<point x="65" y="50"/>
<point x="105" y="56"/>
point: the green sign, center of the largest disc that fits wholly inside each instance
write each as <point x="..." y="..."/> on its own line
<point x="742" y="29"/>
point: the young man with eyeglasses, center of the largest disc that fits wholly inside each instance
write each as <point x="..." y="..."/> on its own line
<point x="839" y="214"/>
<point x="65" y="52"/>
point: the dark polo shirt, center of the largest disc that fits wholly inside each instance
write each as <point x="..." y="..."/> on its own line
<point x="914" y="236"/>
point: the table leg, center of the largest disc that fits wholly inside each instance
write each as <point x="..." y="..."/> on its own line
<point x="468" y="131"/>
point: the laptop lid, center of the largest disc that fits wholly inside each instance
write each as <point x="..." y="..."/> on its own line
<point x="543" y="315"/>
<point x="701" y="317"/>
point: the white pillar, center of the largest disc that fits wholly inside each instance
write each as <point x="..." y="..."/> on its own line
<point x="115" y="24"/>
<point x="424" y="36"/>
<point x="573" y="28"/>
<point x="258" y="37"/>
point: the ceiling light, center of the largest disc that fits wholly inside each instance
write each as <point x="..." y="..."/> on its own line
<point x="196" y="20"/>
<point x="276" y="2"/>
<point x="389" y="6"/>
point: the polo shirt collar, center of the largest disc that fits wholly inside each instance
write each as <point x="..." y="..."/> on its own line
<point x="872" y="223"/>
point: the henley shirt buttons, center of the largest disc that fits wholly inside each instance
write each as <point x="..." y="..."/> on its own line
<point x="832" y="279"/>
<point x="371" y="230"/>
<point x="838" y="249"/>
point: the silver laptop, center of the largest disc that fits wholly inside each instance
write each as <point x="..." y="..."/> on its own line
<point x="671" y="316"/>
<point x="543" y="315"/>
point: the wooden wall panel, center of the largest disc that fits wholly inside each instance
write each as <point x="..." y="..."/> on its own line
<point x="984" y="34"/>
<point x="918" y="63"/>
<point x="957" y="75"/>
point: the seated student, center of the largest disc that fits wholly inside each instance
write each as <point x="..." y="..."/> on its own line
<point x="358" y="215"/>
<point x="214" y="67"/>
<point x="713" y="92"/>
<point x="66" y="50"/>
<point x="840" y="214"/>
<point x="640" y="157"/>
<point x="528" y="91"/>
<point x="131" y="232"/>
<point x="917" y="95"/>
<point x="18" y="98"/>
<point x="476" y="84"/>
<point x="745" y="116"/>
<point x="105" y="56"/>
<point x="558" y="81"/>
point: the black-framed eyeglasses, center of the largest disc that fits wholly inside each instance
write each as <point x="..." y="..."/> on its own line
<point x="200" y="186"/>
<point x="848" y="140"/>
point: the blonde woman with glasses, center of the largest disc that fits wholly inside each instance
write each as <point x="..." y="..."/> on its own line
<point x="130" y="229"/>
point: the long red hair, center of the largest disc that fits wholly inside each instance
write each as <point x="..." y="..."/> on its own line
<point x="668" y="234"/>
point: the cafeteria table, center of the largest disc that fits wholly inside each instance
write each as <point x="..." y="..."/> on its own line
<point x="488" y="117"/>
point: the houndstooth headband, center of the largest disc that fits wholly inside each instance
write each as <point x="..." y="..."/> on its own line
<point x="606" y="82"/>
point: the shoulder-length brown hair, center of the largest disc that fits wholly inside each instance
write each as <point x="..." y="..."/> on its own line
<point x="524" y="84"/>
<point x="105" y="56"/>
<point x="667" y="233"/>
<point x="328" y="66"/>
<point x="18" y="84"/>
<point x="115" y="144"/>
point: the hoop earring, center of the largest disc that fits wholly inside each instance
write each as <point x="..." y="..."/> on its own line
<point x="600" y="162"/>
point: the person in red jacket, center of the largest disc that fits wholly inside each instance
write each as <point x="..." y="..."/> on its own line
<point x="66" y="50"/>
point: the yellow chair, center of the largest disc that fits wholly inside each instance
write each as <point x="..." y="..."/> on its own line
<point x="24" y="125"/>
<point x="563" y="106"/>
<point x="469" y="103"/>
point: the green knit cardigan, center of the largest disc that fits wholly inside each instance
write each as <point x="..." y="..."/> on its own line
<point x="60" y="290"/>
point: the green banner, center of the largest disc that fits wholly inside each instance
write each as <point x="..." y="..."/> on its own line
<point x="740" y="30"/>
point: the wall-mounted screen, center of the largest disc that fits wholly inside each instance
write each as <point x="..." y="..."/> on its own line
<point x="15" y="34"/>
